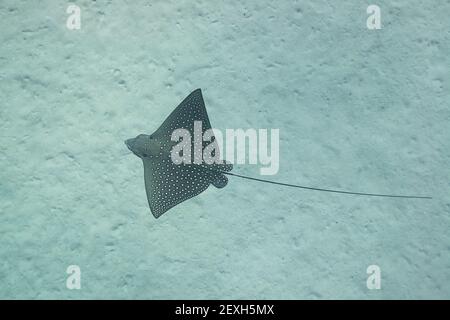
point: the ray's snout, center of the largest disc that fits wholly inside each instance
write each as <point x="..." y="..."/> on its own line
<point x="129" y="143"/>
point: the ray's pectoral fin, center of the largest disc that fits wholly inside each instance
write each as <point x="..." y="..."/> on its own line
<point x="167" y="185"/>
<point x="191" y="109"/>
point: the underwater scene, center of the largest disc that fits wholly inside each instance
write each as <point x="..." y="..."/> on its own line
<point x="162" y="149"/>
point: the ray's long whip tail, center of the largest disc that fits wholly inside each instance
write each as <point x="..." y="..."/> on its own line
<point x="328" y="190"/>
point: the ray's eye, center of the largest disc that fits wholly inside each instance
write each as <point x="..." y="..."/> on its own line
<point x="144" y="155"/>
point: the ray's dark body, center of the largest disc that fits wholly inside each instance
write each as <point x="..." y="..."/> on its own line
<point x="167" y="184"/>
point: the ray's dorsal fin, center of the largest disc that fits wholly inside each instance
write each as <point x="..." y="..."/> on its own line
<point x="220" y="182"/>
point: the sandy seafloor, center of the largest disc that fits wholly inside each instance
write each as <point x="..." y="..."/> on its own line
<point x="358" y="109"/>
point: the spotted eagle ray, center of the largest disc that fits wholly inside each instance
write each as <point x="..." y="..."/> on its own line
<point x="168" y="184"/>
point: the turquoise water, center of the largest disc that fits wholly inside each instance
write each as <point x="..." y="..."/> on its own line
<point x="357" y="109"/>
